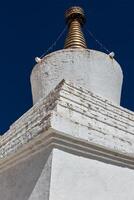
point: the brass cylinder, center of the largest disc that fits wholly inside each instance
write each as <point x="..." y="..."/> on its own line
<point x="75" y="19"/>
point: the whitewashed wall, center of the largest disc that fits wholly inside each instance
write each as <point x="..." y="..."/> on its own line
<point x="71" y="145"/>
<point x="18" y="182"/>
<point x="90" y="69"/>
<point x="77" y="178"/>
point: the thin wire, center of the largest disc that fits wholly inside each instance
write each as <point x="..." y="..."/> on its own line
<point x="54" y="43"/>
<point x="97" y="41"/>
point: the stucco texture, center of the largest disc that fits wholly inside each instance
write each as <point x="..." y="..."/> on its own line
<point x="90" y="69"/>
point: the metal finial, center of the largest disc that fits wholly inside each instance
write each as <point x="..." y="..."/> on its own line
<point x="75" y="19"/>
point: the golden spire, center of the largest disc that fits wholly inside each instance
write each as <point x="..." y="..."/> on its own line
<point x="75" y="19"/>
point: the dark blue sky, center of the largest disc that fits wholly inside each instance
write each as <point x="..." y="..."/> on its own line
<point x="27" y="29"/>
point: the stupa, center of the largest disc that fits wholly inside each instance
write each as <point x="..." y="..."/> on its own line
<point x="76" y="142"/>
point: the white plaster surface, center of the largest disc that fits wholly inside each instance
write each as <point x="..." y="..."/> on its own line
<point x="31" y="175"/>
<point x="89" y="69"/>
<point x="62" y="175"/>
<point x="73" y="144"/>
<point x="76" y="178"/>
<point x="74" y="112"/>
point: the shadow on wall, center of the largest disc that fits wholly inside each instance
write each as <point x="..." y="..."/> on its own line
<point x="19" y="182"/>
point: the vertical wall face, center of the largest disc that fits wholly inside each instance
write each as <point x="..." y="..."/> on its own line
<point x="25" y="180"/>
<point x="90" y="69"/>
<point x="75" y="177"/>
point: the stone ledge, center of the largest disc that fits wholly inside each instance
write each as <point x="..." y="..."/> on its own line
<point x="81" y="117"/>
<point x="50" y="140"/>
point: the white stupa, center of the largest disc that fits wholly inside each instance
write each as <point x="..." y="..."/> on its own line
<point x="90" y="69"/>
<point x="76" y="142"/>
